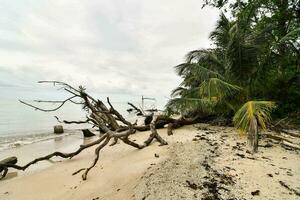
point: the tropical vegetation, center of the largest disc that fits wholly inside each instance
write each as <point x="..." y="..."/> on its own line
<point x="252" y="68"/>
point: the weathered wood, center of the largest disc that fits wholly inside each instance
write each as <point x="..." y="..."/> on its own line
<point x="290" y="145"/>
<point x="10" y="160"/>
<point x="58" y="129"/>
<point x="87" y="133"/>
<point x="283" y="184"/>
<point x="276" y="137"/>
<point x="3" y="165"/>
<point x="104" y="119"/>
<point x="139" y="112"/>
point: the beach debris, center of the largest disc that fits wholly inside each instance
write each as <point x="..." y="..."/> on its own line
<point x="87" y="133"/>
<point x="255" y="193"/>
<point x="138" y="111"/>
<point x="268" y="145"/>
<point x="7" y="161"/>
<point x="156" y="155"/>
<point x="240" y="155"/>
<point x="289" y="145"/>
<point x="194" y="186"/>
<point x="112" y="126"/>
<point x="289" y="173"/>
<point x="58" y="129"/>
<point x="78" y="171"/>
<point x="283" y="184"/>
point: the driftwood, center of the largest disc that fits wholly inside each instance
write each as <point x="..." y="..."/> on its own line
<point x="138" y="111"/>
<point x="110" y="123"/>
<point x="290" y="145"/>
<point x="87" y="133"/>
<point x="7" y="161"/>
<point x="279" y="127"/>
<point x="283" y="184"/>
<point x="285" y="143"/>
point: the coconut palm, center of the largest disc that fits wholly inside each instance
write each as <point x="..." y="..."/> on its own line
<point x="221" y="80"/>
<point x="249" y="116"/>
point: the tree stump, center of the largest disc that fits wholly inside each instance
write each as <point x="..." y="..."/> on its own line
<point x="58" y="129"/>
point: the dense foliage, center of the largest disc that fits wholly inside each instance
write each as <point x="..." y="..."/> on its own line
<point x="254" y="64"/>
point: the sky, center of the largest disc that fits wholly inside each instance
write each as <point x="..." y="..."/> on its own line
<point x="118" y="48"/>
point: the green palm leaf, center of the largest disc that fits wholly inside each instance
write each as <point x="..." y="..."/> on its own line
<point x="216" y="88"/>
<point x="251" y="110"/>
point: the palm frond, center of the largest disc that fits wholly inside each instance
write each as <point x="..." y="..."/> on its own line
<point x="292" y="35"/>
<point x="216" y="88"/>
<point x="185" y="105"/>
<point x="220" y="35"/>
<point x="177" y="91"/>
<point x="259" y="110"/>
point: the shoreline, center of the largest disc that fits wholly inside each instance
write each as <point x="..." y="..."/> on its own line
<point x="8" y="142"/>
<point x="128" y="173"/>
<point x="68" y="141"/>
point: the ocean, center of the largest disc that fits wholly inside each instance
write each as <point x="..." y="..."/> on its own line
<point x="22" y="125"/>
<point x="27" y="133"/>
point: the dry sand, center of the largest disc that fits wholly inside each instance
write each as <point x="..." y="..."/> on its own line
<point x="210" y="163"/>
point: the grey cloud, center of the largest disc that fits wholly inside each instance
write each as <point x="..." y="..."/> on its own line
<point x="124" y="47"/>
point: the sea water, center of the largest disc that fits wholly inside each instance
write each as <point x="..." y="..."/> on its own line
<point x="22" y="125"/>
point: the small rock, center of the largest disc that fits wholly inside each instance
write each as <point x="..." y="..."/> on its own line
<point x="255" y="193"/>
<point x="240" y="155"/>
<point x="270" y="175"/>
<point x="192" y="185"/>
<point x="289" y="173"/>
<point x="248" y="152"/>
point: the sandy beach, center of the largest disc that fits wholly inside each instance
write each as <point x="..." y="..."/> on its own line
<point x="200" y="162"/>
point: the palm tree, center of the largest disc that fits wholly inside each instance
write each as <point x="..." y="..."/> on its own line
<point x="220" y="80"/>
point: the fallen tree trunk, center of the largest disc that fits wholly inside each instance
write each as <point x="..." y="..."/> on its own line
<point x="105" y="119"/>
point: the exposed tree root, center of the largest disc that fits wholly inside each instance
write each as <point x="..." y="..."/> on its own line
<point x="110" y="123"/>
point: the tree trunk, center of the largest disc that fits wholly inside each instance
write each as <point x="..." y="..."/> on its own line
<point x="253" y="135"/>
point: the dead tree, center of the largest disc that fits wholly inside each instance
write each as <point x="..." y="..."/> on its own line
<point x="111" y="124"/>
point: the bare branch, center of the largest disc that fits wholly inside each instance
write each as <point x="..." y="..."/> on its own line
<point x="48" y="110"/>
<point x="138" y="111"/>
<point x="119" y="116"/>
<point x="73" y="122"/>
<point x="55" y="154"/>
<point x="97" y="151"/>
<point x="60" y="83"/>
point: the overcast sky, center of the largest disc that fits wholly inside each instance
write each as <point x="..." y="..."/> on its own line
<point x="114" y="47"/>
